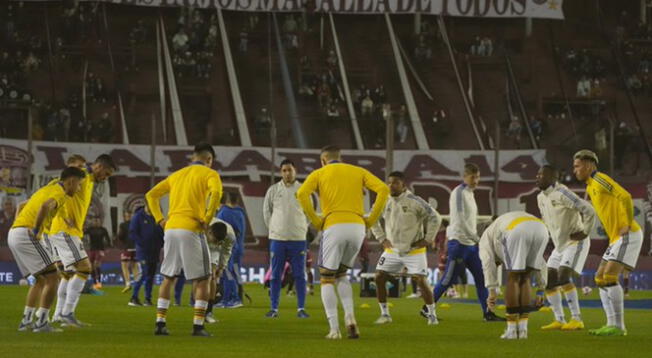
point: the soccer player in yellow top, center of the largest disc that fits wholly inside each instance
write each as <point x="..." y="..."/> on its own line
<point x="615" y="209"/>
<point x="31" y="255"/>
<point x="195" y="192"/>
<point x="341" y="192"/>
<point x="67" y="231"/>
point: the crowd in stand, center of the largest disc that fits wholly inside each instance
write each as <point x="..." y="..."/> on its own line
<point x="194" y="43"/>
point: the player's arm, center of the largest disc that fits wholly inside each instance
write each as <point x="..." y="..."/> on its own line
<point x="20" y="207"/>
<point x="268" y="206"/>
<point x="625" y="199"/>
<point x="376" y="185"/>
<point x="589" y="217"/>
<point x="489" y="266"/>
<point x="214" y="196"/>
<point x="379" y="233"/>
<point x="226" y="250"/>
<point x="153" y="198"/>
<point x="43" y="211"/>
<point x="303" y="195"/>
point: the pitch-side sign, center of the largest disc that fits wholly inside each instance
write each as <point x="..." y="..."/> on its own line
<point x="549" y="9"/>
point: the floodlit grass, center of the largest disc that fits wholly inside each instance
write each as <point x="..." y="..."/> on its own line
<point x="121" y="331"/>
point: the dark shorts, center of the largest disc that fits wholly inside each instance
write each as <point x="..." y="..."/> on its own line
<point x="95" y="255"/>
<point x="128" y="255"/>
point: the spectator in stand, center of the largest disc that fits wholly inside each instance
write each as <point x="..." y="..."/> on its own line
<point x="402" y="127"/>
<point x="596" y="90"/>
<point x="487" y="46"/>
<point x="634" y="83"/>
<point x="31" y="63"/>
<point x="331" y="60"/>
<point x="180" y="41"/>
<point x="100" y="91"/>
<point x="65" y="118"/>
<point x="583" y="87"/>
<point x="263" y="121"/>
<point x="7" y="216"/>
<point x="333" y="112"/>
<point x="477" y="48"/>
<point x="106" y="128"/>
<point x="537" y="127"/>
<point x="243" y="40"/>
<point x="515" y="129"/>
<point x="367" y="106"/>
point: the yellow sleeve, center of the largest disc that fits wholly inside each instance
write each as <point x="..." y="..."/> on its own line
<point x="371" y="182"/>
<point x="624" y="197"/>
<point x="303" y="196"/>
<point x="214" y="194"/>
<point x="154" y="196"/>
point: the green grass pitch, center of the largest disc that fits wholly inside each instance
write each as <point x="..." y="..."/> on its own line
<point x="121" y="331"/>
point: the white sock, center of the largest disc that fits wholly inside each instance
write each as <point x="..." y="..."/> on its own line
<point x="607" y="306"/>
<point x="345" y="291"/>
<point x="512" y="326"/>
<point x="384" y="309"/>
<point x="162" y="306"/>
<point x="75" y="287"/>
<point x="200" y="312"/>
<point x="573" y="303"/>
<point x="329" y="300"/>
<point x="617" y="301"/>
<point x="28" y="315"/>
<point x="555" y="303"/>
<point x="61" y="296"/>
<point x="42" y="316"/>
<point x="431" y="309"/>
<point x="522" y="325"/>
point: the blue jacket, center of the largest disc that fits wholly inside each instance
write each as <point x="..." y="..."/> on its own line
<point x="237" y="219"/>
<point x="147" y="235"/>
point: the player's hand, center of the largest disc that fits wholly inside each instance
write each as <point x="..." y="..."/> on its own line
<point x="491" y="300"/>
<point x="367" y="222"/>
<point x="578" y="236"/>
<point x="69" y="222"/>
<point x="162" y="223"/>
<point x="623" y="231"/>
<point x="419" y="244"/>
<point x="387" y="244"/>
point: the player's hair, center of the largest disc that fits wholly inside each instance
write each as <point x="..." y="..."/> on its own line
<point x="72" y="172"/>
<point x="75" y="158"/>
<point x="203" y="149"/>
<point x="397" y="174"/>
<point x="219" y="230"/>
<point x="331" y="151"/>
<point x="470" y="168"/>
<point x="287" y="162"/>
<point x="586" y="155"/>
<point x="106" y="161"/>
<point x="552" y="169"/>
<point x="231" y="197"/>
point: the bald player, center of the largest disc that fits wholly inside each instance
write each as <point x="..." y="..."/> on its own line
<point x="615" y="209"/>
<point x="341" y="193"/>
<point x="31" y="255"/>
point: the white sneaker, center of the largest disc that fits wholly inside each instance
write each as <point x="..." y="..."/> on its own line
<point x="25" y="327"/>
<point x="522" y="334"/>
<point x="334" y="335"/>
<point x="56" y="319"/>
<point x="210" y="319"/>
<point x="509" y="335"/>
<point x="414" y="295"/>
<point x="46" y="328"/>
<point x="432" y="320"/>
<point x="384" y="319"/>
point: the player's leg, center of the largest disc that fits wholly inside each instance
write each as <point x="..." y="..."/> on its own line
<point x="97" y="265"/>
<point x="124" y="266"/>
<point x="381" y="294"/>
<point x="474" y="264"/>
<point x="277" y="252"/>
<point x="75" y="287"/>
<point x="149" y="281"/>
<point x="607" y="305"/>
<point x="135" y="301"/>
<point x="428" y="298"/>
<point x="64" y="278"/>
<point x="553" y="295"/>
<point x="512" y="304"/>
<point x="50" y="281"/>
<point x="170" y="268"/>
<point x="614" y="292"/>
<point x="330" y="257"/>
<point x="524" y="303"/>
<point x="196" y="261"/>
<point x="626" y="274"/>
<point x="352" y="236"/>
<point x="297" y="252"/>
<point x="311" y="277"/>
<point x="31" y="303"/>
<point x="570" y="292"/>
<point x="455" y="256"/>
<point x="212" y="289"/>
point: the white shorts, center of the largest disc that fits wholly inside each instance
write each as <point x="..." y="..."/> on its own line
<point x="626" y="250"/>
<point x="47" y="242"/>
<point x="573" y="256"/>
<point x="69" y="248"/>
<point x="31" y="255"/>
<point x="188" y="251"/>
<point x="391" y="262"/>
<point x="523" y="247"/>
<point x="340" y="245"/>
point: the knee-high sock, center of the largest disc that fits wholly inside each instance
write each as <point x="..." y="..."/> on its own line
<point x="61" y="296"/>
<point x="329" y="300"/>
<point x="75" y="287"/>
<point x="573" y="302"/>
<point x="607" y="306"/>
<point x="554" y="297"/>
<point x="617" y="297"/>
<point x="346" y="296"/>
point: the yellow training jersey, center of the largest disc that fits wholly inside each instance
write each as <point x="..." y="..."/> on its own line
<point x="45" y="229"/>
<point x="341" y="191"/>
<point x="75" y="210"/>
<point x="613" y="204"/>
<point x="27" y="216"/>
<point x="195" y="194"/>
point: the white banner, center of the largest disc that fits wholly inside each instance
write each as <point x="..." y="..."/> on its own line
<point x="548" y="9"/>
<point x="516" y="166"/>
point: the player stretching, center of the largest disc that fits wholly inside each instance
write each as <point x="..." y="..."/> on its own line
<point x="463" y="239"/>
<point x="30" y="253"/>
<point x="615" y="209"/>
<point x="287" y="236"/>
<point x="570" y="220"/>
<point x="67" y="232"/>
<point x="516" y="240"/>
<point x="221" y="239"/>
<point x="341" y="193"/>
<point x="410" y="225"/>
<point x="195" y="192"/>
